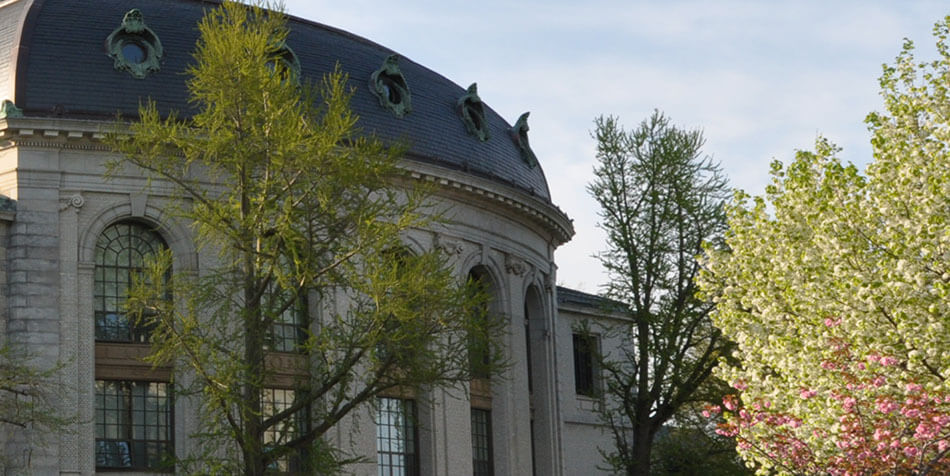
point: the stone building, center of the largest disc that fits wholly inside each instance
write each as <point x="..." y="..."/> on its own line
<point x="68" y="67"/>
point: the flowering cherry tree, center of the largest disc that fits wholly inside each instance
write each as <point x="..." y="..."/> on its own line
<point x="836" y="289"/>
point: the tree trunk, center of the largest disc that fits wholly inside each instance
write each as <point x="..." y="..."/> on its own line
<point x="642" y="447"/>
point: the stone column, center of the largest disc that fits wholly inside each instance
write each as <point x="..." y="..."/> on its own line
<point x="511" y="407"/>
<point x="69" y="324"/>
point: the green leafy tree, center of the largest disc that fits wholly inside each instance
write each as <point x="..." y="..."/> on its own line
<point x="304" y="217"/>
<point x="28" y="403"/>
<point x="660" y="199"/>
<point x="836" y="288"/>
<point x="690" y="445"/>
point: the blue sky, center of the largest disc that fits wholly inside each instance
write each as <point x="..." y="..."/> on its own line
<point x="760" y="78"/>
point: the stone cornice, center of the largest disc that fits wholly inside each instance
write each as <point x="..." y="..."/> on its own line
<point x="88" y="134"/>
<point x="52" y="132"/>
<point x="472" y="189"/>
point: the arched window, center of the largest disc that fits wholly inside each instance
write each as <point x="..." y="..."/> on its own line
<point x="121" y="251"/>
<point x="480" y="390"/>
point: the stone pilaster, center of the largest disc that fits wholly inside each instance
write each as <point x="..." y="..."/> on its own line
<point x="69" y="324"/>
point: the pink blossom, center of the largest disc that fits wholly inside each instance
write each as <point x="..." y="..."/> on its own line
<point x="829" y="322"/>
<point x="887" y="406"/>
<point x="807" y="393"/>
<point x="911" y="413"/>
<point x="925" y="432"/>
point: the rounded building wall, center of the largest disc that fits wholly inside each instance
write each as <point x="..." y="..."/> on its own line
<point x="64" y="203"/>
<point x="65" y="90"/>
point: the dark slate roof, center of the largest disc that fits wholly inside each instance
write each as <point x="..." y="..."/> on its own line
<point x="591" y="301"/>
<point x="62" y="70"/>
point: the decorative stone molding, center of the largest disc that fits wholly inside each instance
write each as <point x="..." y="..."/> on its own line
<point x="8" y="109"/>
<point x="515" y="266"/>
<point x="548" y="215"/>
<point x="472" y="112"/>
<point x="288" y="59"/>
<point x="137" y="203"/>
<point x="7" y="208"/>
<point x="389" y="86"/>
<point x="519" y="134"/>
<point x="134" y="46"/>
<point x="75" y="201"/>
<point x="75" y="134"/>
<point x="448" y="245"/>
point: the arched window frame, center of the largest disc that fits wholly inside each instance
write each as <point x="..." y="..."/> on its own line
<point x="121" y="250"/>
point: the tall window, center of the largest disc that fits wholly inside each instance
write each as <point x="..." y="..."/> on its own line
<point x="586" y="373"/>
<point x="121" y="251"/>
<point x="133" y="418"/>
<point x="288" y="332"/>
<point x="133" y="425"/>
<point x="479" y="346"/>
<point x="274" y="401"/>
<point x="396" y="445"/>
<point x="482" y="461"/>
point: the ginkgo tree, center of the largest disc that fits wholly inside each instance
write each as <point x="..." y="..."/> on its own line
<point x="836" y="288"/>
<point x="301" y="221"/>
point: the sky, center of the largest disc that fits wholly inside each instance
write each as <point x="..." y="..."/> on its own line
<point x="761" y="79"/>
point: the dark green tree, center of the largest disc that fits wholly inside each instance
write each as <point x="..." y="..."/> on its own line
<point x="305" y="218"/>
<point x="660" y="200"/>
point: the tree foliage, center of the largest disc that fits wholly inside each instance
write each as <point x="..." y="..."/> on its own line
<point x="298" y="214"/>
<point x="660" y="199"/>
<point x="28" y="403"/>
<point x="835" y="288"/>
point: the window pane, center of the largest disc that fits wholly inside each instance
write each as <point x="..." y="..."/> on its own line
<point x="133" y="421"/>
<point x="585" y="368"/>
<point x="481" y="442"/>
<point x="273" y="401"/>
<point x="288" y="331"/>
<point x="396" y="437"/>
<point x="119" y="255"/>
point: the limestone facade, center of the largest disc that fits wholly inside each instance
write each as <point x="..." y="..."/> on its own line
<point x="55" y="204"/>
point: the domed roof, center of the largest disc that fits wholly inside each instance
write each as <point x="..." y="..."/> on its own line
<point x="56" y="63"/>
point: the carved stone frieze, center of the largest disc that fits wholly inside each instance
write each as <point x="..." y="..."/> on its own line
<point x="448" y="246"/>
<point x="515" y="265"/>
